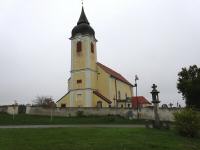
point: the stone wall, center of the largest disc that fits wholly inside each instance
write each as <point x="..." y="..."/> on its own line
<point x="3" y="109"/>
<point x="144" y="113"/>
<point x="9" y="109"/>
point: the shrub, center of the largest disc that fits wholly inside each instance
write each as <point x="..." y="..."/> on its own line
<point x="187" y="122"/>
<point x="111" y="118"/>
<point x="79" y="113"/>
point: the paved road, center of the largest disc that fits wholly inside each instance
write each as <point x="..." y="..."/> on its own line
<point x="70" y="126"/>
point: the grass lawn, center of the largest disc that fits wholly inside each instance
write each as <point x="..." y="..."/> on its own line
<point x="23" y="119"/>
<point x="94" y="139"/>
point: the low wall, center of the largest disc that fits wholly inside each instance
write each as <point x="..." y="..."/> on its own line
<point x="12" y="110"/>
<point x="9" y="109"/>
<point x="3" y="109"/>
<point x="144" y="113"/>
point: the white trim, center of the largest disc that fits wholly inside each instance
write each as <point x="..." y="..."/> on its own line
<point x="72" y="58"/>
<point x="71" y="99"/>
<point x="72" y="81"/>
<point x="88" y="98"/>
<point x="83" y="70"/>
<point x="110" y="87"/>
<point x="87" y="46"/>
<point x="88" y="79"/>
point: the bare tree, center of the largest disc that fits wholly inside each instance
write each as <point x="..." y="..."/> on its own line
<point x="44" y="101"/>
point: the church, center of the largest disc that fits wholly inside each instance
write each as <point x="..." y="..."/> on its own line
<point x="92" y="84"/>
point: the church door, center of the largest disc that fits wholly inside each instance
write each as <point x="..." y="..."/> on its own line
<point x="99" y="104"/>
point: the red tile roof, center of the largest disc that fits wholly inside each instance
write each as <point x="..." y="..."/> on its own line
<point x="138" y="101"/>
<point x="114" y="73"/>
<point x="102" y="97"/>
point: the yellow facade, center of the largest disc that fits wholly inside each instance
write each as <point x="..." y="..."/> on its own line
<point x="91" y="84"/>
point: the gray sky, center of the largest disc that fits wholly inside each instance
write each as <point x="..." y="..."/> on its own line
<point x="151" y="38"/>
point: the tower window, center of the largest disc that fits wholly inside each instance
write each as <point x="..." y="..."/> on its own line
<point x="79" y="46"/>
<point x="92" y="48"/>
<point x="63" y="105"/>
<point x="79" y="81"/>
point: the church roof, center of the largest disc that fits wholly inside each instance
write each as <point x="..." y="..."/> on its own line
<point x="114" y="73"/>
<point x="83" y="26"/>
<point x="138" y="101"/>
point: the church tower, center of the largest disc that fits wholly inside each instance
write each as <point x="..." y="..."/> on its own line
<point x="92" y="84"/>
<point x="83" y="63"/>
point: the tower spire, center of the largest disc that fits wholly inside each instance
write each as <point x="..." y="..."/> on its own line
<point x="83" y="26"/>
<point x="83" y="18"/>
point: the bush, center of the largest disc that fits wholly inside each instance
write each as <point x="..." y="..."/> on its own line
<point x="21" y="109"/>
<point x="187" y="122"/>
<point x="80" y="113"/>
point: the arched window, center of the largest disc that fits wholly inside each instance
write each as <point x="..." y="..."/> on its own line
<point x="92" y="47"/>
<point x="79" y="46"/>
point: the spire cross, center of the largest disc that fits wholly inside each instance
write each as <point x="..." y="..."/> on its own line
<point x="82" y="2"/>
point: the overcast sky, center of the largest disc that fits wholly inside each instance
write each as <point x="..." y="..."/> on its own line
<point x="151" y="38"/>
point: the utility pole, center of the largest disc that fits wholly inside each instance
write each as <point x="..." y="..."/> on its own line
<point x="136" y="78"/>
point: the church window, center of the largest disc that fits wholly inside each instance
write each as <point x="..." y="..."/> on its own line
<point x="79" y="81"/>
<point x="63" y="105"/>
<point x="92" y="48"/>
<point x="79" y="46"/>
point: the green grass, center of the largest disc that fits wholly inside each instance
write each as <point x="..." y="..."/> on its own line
<point x="94" y="139"/>
<point x="23" y="119"/>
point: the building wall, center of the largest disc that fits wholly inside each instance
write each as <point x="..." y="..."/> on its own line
<point x="102" y="82"/>
<point x="119" y="86"/>
<point x="64" y="100"/>
<point x="96" y="99"/>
